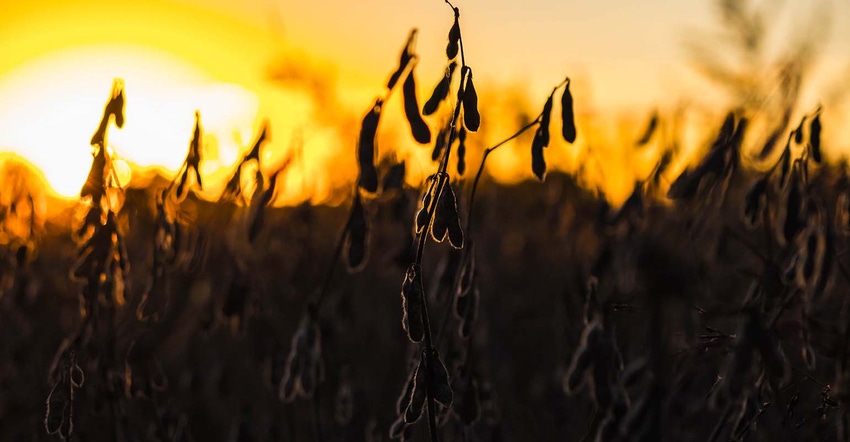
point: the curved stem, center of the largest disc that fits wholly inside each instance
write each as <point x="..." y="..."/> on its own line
<point x="480" y="172"/>
<point x="314" y="305"/>
<point x="442" y="180"/>
<point x="490" y="150"/>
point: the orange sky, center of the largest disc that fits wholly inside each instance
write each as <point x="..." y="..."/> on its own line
<point x="58" y="59"/>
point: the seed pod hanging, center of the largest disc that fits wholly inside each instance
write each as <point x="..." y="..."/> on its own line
<point x="786" y="164"/>
<point x="441" y="91"/>
<point x="446" y="221"/>
<point x="842" y="213"/>
<point x="412" y="299"/>
<point x="406" y="55"/>
<point x="368" y="180"/>
<point x="441" y="141"/>
<point x="404" y="400"/>
<point x="449" y="203"/>
<point x="471" y="117"/>
<point x="238" y="297"/>
<point x="115" y="107"/>
<point x="427" y="200"/>
<point x="399" y="430"/>
<point x="466" y="310"/>
<point x="582" y="359"/>
<point x="538" y="163"/>
<point x="798" y="132"/>
<point x="812" y="246"/>
<point x="394" y="178"/>
<point x="467" y="270"/>
<point x="545" y="119"/>
<point x="541" y="140"/>
<point x="454" y="37"/>
<point x="94" y="185"/>
<point x="467" y="407"/>
<point x="791" y="211"/>
<point x="461" y="151"/>
<point x="421" y="131"/>
<point x="254" y="154"/>
<point x="441" y="387"/>
<point x="754" y="203"/>
<point x="814" y="137"/>
<point x="419" y="394"/>
<point x="356" y="238"/>
<point x="303" y="365"/>
<point x="193" y="160"/>
<point x="726" y="130"/>
<point x="650" y="129"/>
<point x="260" y="202"/>
<point x="568" y="130"/>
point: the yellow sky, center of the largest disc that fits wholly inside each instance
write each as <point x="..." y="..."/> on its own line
<point x="57" y="59"/>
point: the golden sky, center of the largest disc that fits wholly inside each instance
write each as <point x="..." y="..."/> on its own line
<point x="58" y="57"/>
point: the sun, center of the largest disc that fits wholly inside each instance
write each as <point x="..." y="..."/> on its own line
<point x="52" y="105"/>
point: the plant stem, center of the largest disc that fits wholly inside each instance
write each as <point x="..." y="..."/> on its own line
<point x="442" y="179"/>
<point x="314" y="305"/>
<point x="468" y="231"/>
<point x="490" y="150"/>
<point x="478" y="174"/>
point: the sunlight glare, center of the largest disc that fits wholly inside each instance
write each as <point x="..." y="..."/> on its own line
<point x="52" y="105"/>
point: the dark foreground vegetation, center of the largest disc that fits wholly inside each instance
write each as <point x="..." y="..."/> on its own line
<point x="714" y="332"/>
<point x="712" y="305"/>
